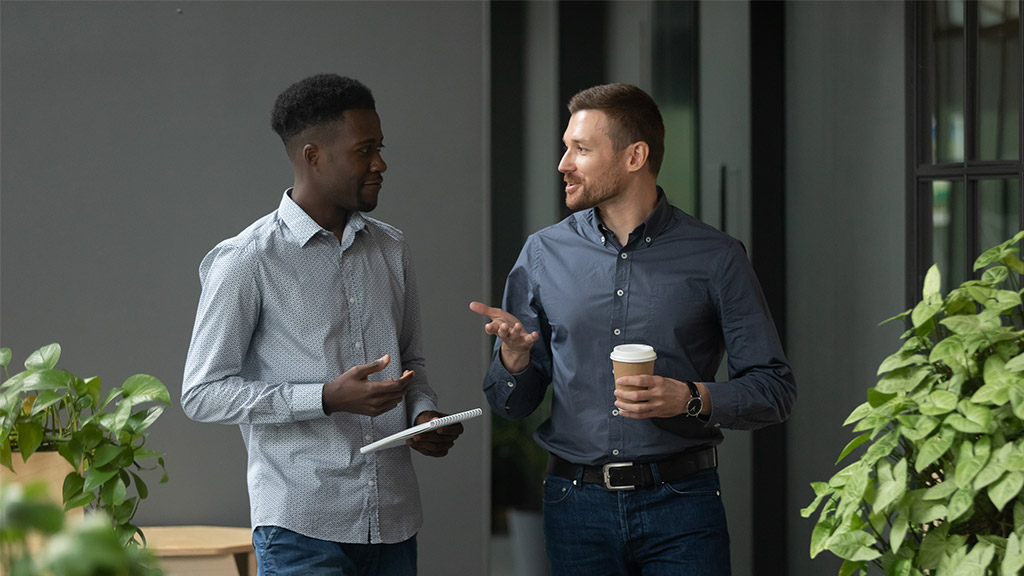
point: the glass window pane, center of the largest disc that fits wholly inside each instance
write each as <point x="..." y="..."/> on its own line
<point x="999" y="201"/>
<point x="942" y="51"/>
<point x="999" y="72"/>
<point x="948" y="231"/>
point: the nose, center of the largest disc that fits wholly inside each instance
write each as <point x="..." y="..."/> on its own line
<point x="379" y="165"/>
<point x="566" y="165"/>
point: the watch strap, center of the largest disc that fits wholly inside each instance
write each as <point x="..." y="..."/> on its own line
<point x="696" y="403"/>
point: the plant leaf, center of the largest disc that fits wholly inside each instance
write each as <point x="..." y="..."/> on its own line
<point x="1013" y="560"/>
<point x="853" y="445"/>
<point x="916" y="427"/>
<point x="1006" y="489"/>
<point x="855" y="546"/>
<point x="892" y="483"/>
<point x="145" y="388"/>
<point x="107" y="453"/>
<point x="961" y="502"/>
<point x="934" y="448"/>
<point x="5" y="357"/>
<point x="30" y="437"/>
<point x="933" y="547"/>
<point x="43" y="359"/>
<point x="821" y="490"/>
<point x="939" y="402"/>
<point x="858" y="413"/>
<point x="932" y="284"/>
<point x="95" y="477"/>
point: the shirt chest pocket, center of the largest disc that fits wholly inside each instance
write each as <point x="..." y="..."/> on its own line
<point x="677" y="312"/>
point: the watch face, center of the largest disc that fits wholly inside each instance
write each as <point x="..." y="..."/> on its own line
<point x="694" y="406"/>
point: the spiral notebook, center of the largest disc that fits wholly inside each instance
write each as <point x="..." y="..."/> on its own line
<point x="400" y="437"/>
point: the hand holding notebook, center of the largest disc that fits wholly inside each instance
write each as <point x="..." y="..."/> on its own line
<point x="400" y="437"/>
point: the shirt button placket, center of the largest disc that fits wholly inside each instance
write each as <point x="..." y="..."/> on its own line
<point x="620" y="305"/>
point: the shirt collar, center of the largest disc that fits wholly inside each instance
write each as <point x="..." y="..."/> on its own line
<point x="304" y="228"/>
<point x="649" y="230"/>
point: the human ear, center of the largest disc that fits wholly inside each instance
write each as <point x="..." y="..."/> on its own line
<point x="310" y="154"/>
<point x="638" y="153"/>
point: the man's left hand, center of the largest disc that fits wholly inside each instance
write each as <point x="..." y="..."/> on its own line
<point x="435" y="442"/>
<point x="658" y="397"/>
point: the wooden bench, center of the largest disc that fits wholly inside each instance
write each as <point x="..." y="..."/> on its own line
<point x="202" y="550"/>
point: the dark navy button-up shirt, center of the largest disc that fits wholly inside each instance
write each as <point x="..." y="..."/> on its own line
<point x="678" y="285"/>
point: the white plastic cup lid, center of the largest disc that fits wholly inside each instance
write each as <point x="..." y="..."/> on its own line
<point x="634" y="353"/>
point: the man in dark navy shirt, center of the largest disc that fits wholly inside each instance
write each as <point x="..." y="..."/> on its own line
<point x="632" y="481"/>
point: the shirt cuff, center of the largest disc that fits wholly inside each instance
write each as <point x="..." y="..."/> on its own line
<point x="502" y="382"/>
<point x="307" y="401"/>
<point x="724" y="400"/>
<point x="418" y="406"/>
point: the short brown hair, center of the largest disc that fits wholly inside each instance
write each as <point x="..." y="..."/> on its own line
<point x="633" y="115"/>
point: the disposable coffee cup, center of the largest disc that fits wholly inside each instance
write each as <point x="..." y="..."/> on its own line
<point x="632" y="360"/>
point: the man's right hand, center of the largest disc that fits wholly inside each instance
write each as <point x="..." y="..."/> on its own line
<point x="354" y="392"/>
<point x="515" y="341"/>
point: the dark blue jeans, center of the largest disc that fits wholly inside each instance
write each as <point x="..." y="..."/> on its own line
<point x="674" y="529"/>
<point x="281" y="552"/>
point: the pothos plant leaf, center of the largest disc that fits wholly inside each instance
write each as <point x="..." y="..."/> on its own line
<point x="938" y="483"/>
<point x="46" y="408"/>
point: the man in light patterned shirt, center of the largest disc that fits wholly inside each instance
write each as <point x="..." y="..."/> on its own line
<point x="313" y="290"/>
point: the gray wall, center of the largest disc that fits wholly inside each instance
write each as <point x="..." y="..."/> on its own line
<point x="846" y="228"/>
<point x="136" y="136"/>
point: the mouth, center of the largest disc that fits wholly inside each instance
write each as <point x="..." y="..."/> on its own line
<point x="373" y="183"/>
<point x="571" y="187"/>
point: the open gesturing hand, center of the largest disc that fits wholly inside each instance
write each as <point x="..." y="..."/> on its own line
<point x="515" y="341"/>
<point x="354" y="392"/>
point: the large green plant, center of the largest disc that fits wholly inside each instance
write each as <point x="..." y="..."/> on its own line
<point x="46" y="408"/>
<point x="36" y="541"/>
<point x="937" y="486"/>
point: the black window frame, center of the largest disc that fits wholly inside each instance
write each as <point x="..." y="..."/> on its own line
<point x="921" y="172"/>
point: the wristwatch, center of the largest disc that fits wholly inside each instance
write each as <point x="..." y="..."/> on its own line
<point x="695" y="404"/>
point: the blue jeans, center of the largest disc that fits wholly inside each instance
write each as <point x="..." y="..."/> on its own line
<point x="281" y="552"/>
<point x="674" y="529"/>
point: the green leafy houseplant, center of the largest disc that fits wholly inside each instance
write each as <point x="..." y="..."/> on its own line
<point x="46" y="408"/>
<point x="937" y="487"/>
<point x="86" y="548"/>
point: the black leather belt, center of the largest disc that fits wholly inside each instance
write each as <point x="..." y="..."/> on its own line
<point x="630" y="475"/>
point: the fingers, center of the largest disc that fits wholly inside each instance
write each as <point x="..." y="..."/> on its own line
<point x="483" y="309"/>
<point x="514" y="335"/>
<point x="436" y="443"/>
<point x="363" y="370"/>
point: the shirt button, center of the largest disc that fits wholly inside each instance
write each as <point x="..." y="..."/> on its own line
<point x="615" y="412"/>
<point x="617" y="331"/>
<point x="370" y="483"/>
<point x="358" y="345"/>
<point x="367" y="437"/>
<point x="620" y="292"/>
<point x="602" y="239"/>
<point x="624" y="255"/>
<point x="511" y="384"/>
<point x="615" y="452"/>
<point x="648" y="239"/>
<point x="718" y="425"/>
<point x="351" y="300"/>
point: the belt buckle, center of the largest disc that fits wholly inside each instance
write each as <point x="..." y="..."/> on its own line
<point x="605" y="471"/>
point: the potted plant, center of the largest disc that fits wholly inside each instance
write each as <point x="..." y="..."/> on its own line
<point x="44" y="408"/>
<point x="84" y="549"/>
<point x="937" y="486"/>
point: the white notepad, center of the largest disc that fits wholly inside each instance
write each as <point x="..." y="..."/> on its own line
<point x="400" y="437"/>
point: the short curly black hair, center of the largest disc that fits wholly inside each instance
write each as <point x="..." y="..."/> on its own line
<point x="317" y="100"/>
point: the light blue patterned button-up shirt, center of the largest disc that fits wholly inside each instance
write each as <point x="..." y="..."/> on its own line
<point x="284" y="309"/>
